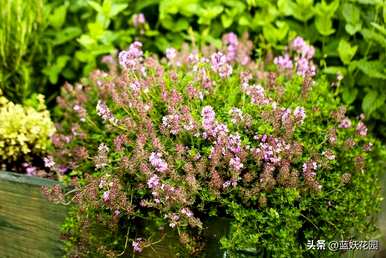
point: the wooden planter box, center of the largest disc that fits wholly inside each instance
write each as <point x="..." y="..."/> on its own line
<point x="29" y="224"/>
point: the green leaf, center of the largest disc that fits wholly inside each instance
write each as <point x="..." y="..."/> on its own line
<point x="352" y="29"/>
<point x="349" y="95"/>
<point x="244" y="21"/>
<point x="97" y="7"/>
<point x="346" y="51"/>
<point x="372" y="101"/>
<point x="303" y="10"/>
<point x="371" y="36"/>
<point x="286" y="7"/>
<point x="226" y="21"/>
<point x="326" y="10"/>
<point x="66" y="35"/>
<point x="117" y="8"/>
<point x="373" y="69"/>
<point x="370" y="2"/>
<point x="96" y="30"/>
<point x="58" y="17"/>
<point x="209" y="13"/>
<point x="324" y="25"/>
<point x="335" y="70"/>
<point x="351" y="13"/>
<point x="380" y="28"/>
<point x="54" y="70"/>
<point x="86" y="41"/>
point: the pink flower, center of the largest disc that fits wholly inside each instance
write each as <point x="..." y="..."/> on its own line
<point x="283" y="62"/>
<point x="132" y="57"/>
<point x="159" y="164"/>
<point x="171" y="53"/>
<point x="361" y="129"/>
<point x="137" y="245"/>
<point x="236" y="164"/>
<point x="187" y="212"/>
<point x="153" y="181"/>
<point x="300" y="114"/>
<point x="345" y="123"/>
<point x="138" y="19"/>
<point x="106" y="196"/>
<point x="49" y="162"/>
<point x="105" y="113"/>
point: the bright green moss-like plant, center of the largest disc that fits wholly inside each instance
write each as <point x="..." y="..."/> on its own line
<point x="24" y="131"/>
<point x="159" y="147"/>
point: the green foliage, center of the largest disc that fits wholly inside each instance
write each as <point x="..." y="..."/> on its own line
<point x="20" y="24"/>
<point x="307" y="171"/>
<point x="24" y="130"/>
<point x="347" y="32"/>
<point x="73" y="36"/>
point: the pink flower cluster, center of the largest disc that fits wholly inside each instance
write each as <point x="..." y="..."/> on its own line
<point x="284" y="62"/>
<point x="138" y="20"/>
<point x="104" y="112"/>
<point x="159" y="164"/>
<point x="138" y="245"/>
<point x="304" y="64"/>
<point x="220" y="65"/>
<point x="232" y="45"/>
<point x="131" y="58"/>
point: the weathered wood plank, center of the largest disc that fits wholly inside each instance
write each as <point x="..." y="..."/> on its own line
<point x="29" y="224"/>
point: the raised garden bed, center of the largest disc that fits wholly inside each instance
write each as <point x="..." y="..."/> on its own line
<point x="29" y="224"/>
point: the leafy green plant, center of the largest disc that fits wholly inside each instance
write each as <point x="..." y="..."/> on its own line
<point x="25" y="133"/>
<point x="20" y="25"/>
<point x="350" y="34"/>
<point x="155" y="146"/>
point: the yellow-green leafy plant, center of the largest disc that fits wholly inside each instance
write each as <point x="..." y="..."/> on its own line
<point x="24" y="131"/>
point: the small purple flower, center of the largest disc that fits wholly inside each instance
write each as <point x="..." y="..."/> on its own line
<point x="137" y="245"/>
<point x="153" y="181"/>
<point x="132" y="57"/>
<point x="106" y="196"/>
<point x="298" y="43"/>
<point x="345" y="123"/>
<point x="208" y="116"/>
<point x="159" y="164"/>
<point x="104" y="112"/>
<point x="300" y="114"/>
<point x="361" y="129"/>
<point x="31" y="170"/>
<point x="283" y="62"/>
<point x="231" y="38"/>
<point x="187" y="212"/>
<point x="171" y="53"/>
<point x="226" y="184"/>
<point x="285" y="115"/>
<point x="138" y="19"/>
<point x="49" y="162"/>
<point x="236" y="164"/>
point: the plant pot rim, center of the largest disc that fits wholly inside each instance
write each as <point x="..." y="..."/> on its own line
<point x="23" y="178"/>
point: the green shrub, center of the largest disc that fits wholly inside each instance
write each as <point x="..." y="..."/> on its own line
<point x="24" y="133"/>
<point x="20" y="25"/>
<point x="350" y="36"/>
<point x="174" y="142"/>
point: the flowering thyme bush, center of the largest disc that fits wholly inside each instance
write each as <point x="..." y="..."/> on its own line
<point x="167" y="144"/>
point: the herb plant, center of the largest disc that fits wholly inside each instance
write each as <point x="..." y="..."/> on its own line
<point x="157" y="147"/>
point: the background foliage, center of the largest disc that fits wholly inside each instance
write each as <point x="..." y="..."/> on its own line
<point x="73" y="35"/>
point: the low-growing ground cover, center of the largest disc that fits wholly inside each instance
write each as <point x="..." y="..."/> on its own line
<point x="211" y="133"/>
